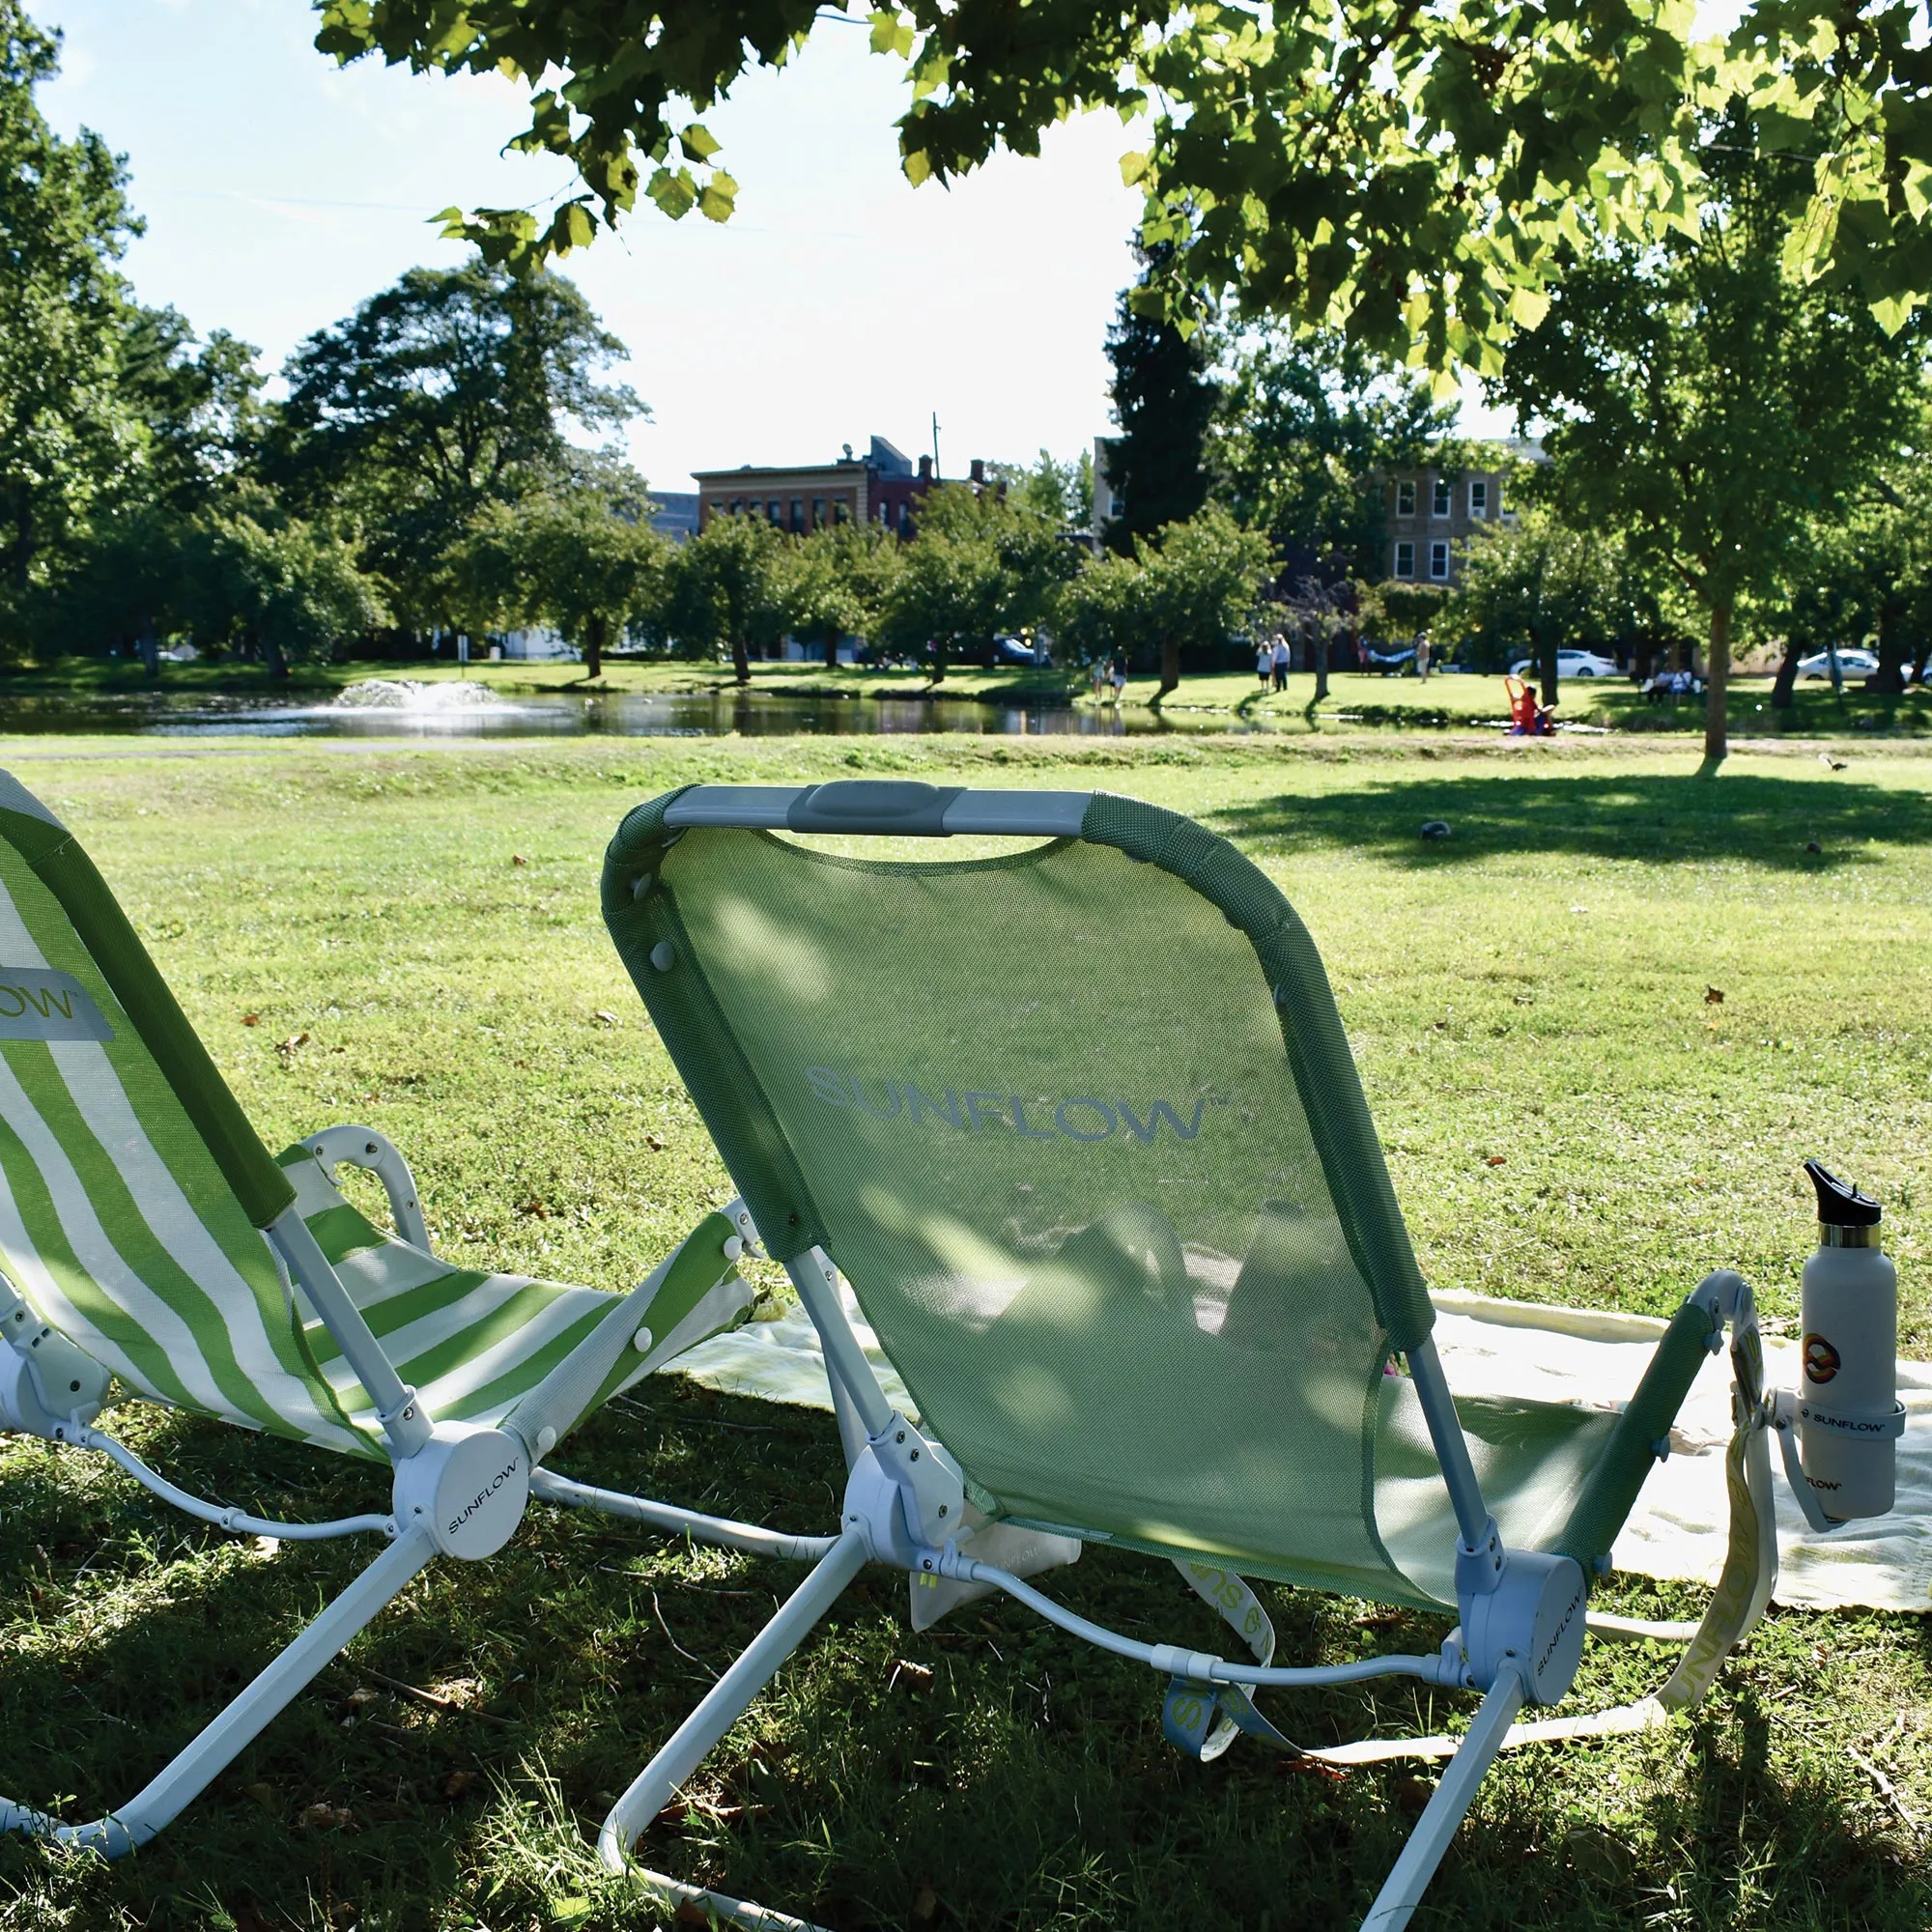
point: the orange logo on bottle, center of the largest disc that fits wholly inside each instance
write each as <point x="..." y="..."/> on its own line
<point x="1821" y="1359"/>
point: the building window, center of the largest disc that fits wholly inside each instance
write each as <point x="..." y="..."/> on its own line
<point x="905" y="519"/>
<point x="737" y="507"/>
<point x="1438" y="502"/>
<point x="775" y="511"/>
<point x="797" y="513"/>
<point x="1439" y="561"/>
<point x="1405" y="498"/>
<point x="818" y="513"/>
<point x="1404" y="559"/>
<point x="841" y="509"/>
<point x="1479" y="498"/>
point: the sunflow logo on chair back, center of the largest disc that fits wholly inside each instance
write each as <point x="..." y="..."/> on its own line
<point x="980" y="1110"/>
<point x="37" y="1004"/>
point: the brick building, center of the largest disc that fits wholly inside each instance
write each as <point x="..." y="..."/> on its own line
<point x="881" y="487"/>
<point x="1430" y="513"/>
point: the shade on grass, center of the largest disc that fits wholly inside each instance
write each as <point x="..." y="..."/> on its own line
<point x="1530" y="992"/>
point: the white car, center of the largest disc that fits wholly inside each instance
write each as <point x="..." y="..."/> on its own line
<point x="1853" y="661"/>
<point x="1571" y="664"/>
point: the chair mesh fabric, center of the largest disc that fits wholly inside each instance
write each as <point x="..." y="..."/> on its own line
<point x="1039" y="1110"/>
<point x="1082" y="1127"/>
<point x="472" y="1344"/>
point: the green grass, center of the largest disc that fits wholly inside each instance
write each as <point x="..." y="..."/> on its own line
<point x="1534" y="987"/>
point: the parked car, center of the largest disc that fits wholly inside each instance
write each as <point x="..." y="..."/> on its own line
<point x="1853" y="661"/>
<point x="1572" y="664"/>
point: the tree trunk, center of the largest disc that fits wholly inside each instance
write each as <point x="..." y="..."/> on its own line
<point x="1892" y="653"/>
<point x="992" y="653"/>
<point x="272" y="657"/>
<point x="1317" y="653"/>
<point x="831" y="649"/>
<point x="937" y="646"/>
<point x="593" y="648"/>
<point x="149" y="645"/>
<point x="1546" y="664"/>
<point x="1641" y="655"/>
<point x="1169" y="666"/>
<point x="741" y="661"/>
<point x="1783" y="692"/>
<point x="1716" y="696"/>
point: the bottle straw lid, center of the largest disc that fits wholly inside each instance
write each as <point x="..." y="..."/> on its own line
<point x="1840" y="1205"/>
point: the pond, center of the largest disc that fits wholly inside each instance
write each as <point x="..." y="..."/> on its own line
<point x="403" y="708"/>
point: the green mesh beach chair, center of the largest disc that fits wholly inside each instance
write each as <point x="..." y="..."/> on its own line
<point x="1080" y="1126"/>
<point x="146" y="1237"/>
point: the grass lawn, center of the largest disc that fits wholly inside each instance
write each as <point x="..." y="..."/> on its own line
<point x="417" y="937"/>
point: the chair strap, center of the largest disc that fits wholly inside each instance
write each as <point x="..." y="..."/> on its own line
<point x="1203" y="1720"/>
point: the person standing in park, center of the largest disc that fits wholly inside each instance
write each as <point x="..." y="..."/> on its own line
<point x="1120" y="676"/>
<point x="1280" y="662"/>
<point x="1422" y="657"/>
<point x="1265" y="662"/>
<point x="1100" y="670"/>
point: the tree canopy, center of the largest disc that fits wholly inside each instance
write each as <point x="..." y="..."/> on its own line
<point x="1403" y="172"/>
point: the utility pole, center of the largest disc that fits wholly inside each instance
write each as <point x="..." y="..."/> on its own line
<point x="935" y="445"/>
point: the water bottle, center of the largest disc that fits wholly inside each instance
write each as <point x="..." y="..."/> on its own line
<point x="1849" y="1416"/>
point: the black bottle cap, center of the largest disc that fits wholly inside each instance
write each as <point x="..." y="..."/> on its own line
<point x="1840" y="1205"/>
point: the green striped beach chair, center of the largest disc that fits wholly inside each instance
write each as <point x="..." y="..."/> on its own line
<point x="147" y="1238"/>
<point x="1143" y="1276"/>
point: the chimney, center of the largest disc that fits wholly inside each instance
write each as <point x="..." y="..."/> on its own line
<point x="926" y="469"/>
<point x="979" y="473"/>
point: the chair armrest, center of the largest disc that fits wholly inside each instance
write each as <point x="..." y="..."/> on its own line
<point x="365" y="1147"/>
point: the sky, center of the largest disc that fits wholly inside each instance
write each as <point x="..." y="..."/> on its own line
<point x="839" y="302"/>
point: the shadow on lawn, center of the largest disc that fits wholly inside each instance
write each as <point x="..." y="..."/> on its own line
<point x="1761" y="820"/>
<point x="990" y="1771"/>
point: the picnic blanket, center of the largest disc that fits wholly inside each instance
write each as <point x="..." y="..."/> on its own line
<point x="1589" y="1356"/>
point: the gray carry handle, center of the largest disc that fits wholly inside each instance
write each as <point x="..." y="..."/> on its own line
<point x="885" y="808"/>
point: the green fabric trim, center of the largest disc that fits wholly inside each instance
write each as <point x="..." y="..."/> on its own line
<point x="1628" y="1456"/>
<point x="1318" y="1049"/>
<point x="699" y="1037"/>
<point x="69" y="875"/>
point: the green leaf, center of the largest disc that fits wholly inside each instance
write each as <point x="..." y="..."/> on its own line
<point x="697" y="142"/>
<point x="718" y="197"/>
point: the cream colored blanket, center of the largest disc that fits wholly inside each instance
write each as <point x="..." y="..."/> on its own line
<point x="1554" y="1354"/>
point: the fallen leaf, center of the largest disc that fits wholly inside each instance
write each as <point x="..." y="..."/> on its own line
<point x="1497" y="1160"/>
<point x="264" y="1795"/>
<point x="1713" y="997"/>
<point x="655" y="1145"/>
<point x="459" y="1783"/>
<point x="359" y="1696"/>
<point x="917" y="1674"/>
<point x="517" y="859"/>
<point x="325" y="1817"/>
<point x="925" y="1906"/>
<point x="288" y="1045"/>
<point x="1523" y="999"/>
<point x="539" y="1209"/>
<point x="603" y="1017"/>
<point x="251" y="1020"/>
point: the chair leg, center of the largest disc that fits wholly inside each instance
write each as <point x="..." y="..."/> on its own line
<point x="727" y="1700"/>
<point x="223" y="1741"/>
<point x="1436" y="1825"/>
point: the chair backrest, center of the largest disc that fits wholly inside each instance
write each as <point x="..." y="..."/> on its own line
<point x="132" y="1189"/>
<point x="1080" y="1126"/>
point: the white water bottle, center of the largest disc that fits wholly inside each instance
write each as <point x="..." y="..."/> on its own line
<point x="1849" y="1416"/>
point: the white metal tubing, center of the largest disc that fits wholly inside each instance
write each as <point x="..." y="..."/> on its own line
<point x="237" y="1520"/>
<point x="811" y="1274"/>
<point x="1452" y="1448"/>
<point x="550" y="1487"/>
<point x="1206" y="1668"/>
<point x="726" y="1700"/>
<point x="244" y="1719"/>
<point x="1452" y="1796"/>
<point x="722" y="1905"/>
<point x="365" y="1147"/>
<point x="404" y="1421"/>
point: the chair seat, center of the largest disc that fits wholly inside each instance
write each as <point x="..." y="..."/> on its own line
<point x="471" y="1344"/>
